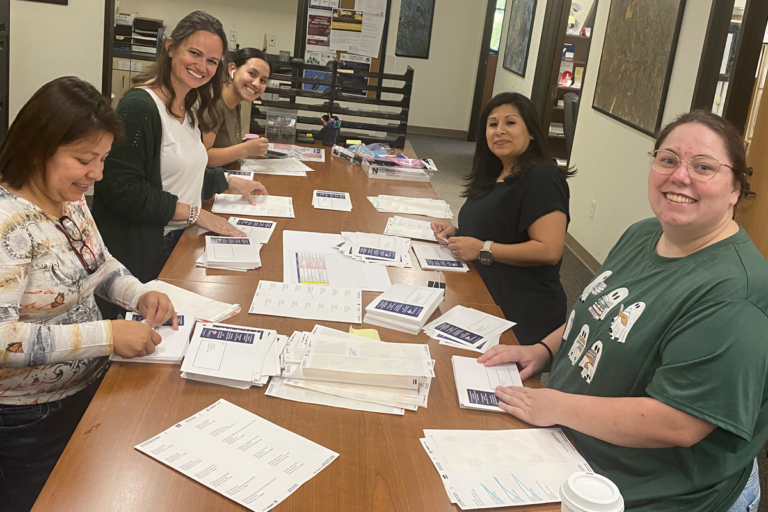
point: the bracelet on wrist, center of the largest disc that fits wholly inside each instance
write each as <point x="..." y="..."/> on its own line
<point x="549" y="350"/>
<point x="197" y="215"/>
<point x="191" y="215"/>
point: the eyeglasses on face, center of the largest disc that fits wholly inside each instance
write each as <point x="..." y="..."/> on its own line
<point x="76" y="242"/>
<point x="700" y="168"/>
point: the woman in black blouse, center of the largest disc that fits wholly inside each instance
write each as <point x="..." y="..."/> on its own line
<point x="515" y="218"/>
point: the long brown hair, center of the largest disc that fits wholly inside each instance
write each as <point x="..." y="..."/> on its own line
<point x="64" y="111"/>
<point x="206" y="96"/>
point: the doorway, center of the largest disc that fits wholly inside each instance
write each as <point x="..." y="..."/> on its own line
<point x="486" y="68"/>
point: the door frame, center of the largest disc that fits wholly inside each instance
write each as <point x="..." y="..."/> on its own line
<point x="544" y="89"/>
<point x="106" y="59"/>
<point x="482" y="69"/>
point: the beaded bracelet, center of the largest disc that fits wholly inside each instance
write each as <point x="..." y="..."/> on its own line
<point x="197" y="214"/>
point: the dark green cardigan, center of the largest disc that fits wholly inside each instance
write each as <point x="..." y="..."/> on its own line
<point x="129" y="204"/>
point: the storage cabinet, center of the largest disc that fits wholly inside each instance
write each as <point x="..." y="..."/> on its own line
<point x="123" y="72"/>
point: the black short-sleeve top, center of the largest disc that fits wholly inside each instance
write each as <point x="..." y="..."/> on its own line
<point x="531" y="296"/>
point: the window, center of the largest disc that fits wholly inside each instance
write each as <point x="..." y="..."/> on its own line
<point x="498" y="21"/>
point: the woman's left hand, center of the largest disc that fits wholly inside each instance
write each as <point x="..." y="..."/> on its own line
<point x="537" y="407"/>
<point x="465" y="248"/>
<point x="248" y="188"/>
<point x="156" y="308"/>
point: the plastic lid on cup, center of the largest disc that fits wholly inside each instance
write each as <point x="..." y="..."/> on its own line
<point x="589" y="492"/>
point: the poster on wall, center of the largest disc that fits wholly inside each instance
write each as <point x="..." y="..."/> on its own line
<point x="374" y="16"/>
<point x="354" y="63"/>
<point x="319" y="28"/>
<point x="632" y="85"/>
<point x="521" y="14"/>
<point x="317" y="59"/>
<point x="324" y="4"/>
<point x="346" y="30"/>
<point x="414" y="31"/>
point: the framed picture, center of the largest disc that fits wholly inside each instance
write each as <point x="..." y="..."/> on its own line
<point x="519" y="36"/>
<point x="636" y="62"/>
<point x="414" y="32"/>
<point x="58" y="2"/>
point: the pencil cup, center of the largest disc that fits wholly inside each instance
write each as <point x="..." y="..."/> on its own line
<point x="588" y="492"/>
<point x="330" y="135"/>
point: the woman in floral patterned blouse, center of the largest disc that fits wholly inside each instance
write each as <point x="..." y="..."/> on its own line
<point x="54" y="345"/>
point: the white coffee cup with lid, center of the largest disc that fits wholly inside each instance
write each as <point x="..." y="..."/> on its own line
<point x="589" y="492"/>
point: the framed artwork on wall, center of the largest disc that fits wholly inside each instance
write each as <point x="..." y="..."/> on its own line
<point x="414" y="31"/>
<point x="636" y="62"/>
<point x="58" y="2"/>
<point x="519" y="35"/>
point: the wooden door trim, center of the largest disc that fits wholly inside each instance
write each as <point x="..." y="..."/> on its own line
<point x="712" y="54"/>
<point x="106" y="58"/>
<point x="550" y="53"/>
<point x="482" y="68"/>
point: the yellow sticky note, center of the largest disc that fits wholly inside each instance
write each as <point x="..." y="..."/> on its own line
<point x="351" y="142"/>
<point x="366" y="333"/>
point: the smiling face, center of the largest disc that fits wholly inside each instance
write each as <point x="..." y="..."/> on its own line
<point x="506" y="133"/>
<point x="194" y="60"/>
<point x="687" y="207"/>
<point x="250" y="79"/>
<point x="74" y="168"/>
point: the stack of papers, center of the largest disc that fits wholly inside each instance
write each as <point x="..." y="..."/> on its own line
<point x="409" y="228"/>
<point x="392" y="171"/>
<point x="278" y="167"/>
<point x="236" y="465"/>
<point x="174" y="345"/>
<point x="475" y="383"/>
<point x="258" y="232"/>
<point x="299" y="152"/>
<point x="229" y="252"/>
<point x="266" y="206"/>
<point x="438" y="257"/>
<point x="232" y="355"/>
<point x="308" y="301"/>
<point x="404" y="307"/>
<point x="468" y="328"/>
<point x="200" y="307"/>
<point x="246" y="175"/>
<point x="436" y="208"/>
<point x="376" y="249"/>
<point x="502" y="468"/>
<point x="326" y="200"/>
<point x="337" y="369"/>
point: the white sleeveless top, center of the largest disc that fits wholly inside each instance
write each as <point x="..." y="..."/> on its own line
<point x="183" y="159"/>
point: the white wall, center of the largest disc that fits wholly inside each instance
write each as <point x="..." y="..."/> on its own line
<point x="49" y="41"/>
<point x="611" y="157"/>
<point x="507" y="81"/>
<point x="253" y="18"/>
<point x="444" y="84"/>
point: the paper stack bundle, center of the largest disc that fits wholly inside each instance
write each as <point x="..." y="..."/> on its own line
<point x="230" y="253"/>
<point x="202" y="308"/>
<point x="233" y="355"/>
<point x="409" y="228"/>
<point x="174" y="345"/>
<point x="338" y="369"/>
<point x="392" y="171"/>
<point x="327" y="200"/>
<point x="412" y="205"/>
<point x="468" y="328"/>
<point x="438" y="257"/>
<point x="392" y="251"/>
<point x="476" y="383"/>
<point x="404" y="307"/>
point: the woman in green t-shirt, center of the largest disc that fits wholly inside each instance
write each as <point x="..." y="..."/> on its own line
<point x="247" y="77"/>
<point x="661" y="376"/>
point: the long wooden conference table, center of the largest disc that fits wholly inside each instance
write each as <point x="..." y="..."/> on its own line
<point x="382" y="465"/>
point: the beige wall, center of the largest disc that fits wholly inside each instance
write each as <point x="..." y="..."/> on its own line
<point x="37" y="54"/>
<point x="507" y="81"/>
<point x="253" y="18"/>
<point x="444" y="84"/>
<point x="611" y="157"/>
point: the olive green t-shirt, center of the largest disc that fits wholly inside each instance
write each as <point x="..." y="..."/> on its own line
<point x="690" y="332"/>
<point x="228" y="131"/>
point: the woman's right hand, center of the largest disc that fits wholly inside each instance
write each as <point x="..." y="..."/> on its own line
<point x="531" y="359"/>
<point x="256" y="147"/>
<point x="216" y="224"/>
<point x="443" y="231"/>
<point x="133" y="339"/>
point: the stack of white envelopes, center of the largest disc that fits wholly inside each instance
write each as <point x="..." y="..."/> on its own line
<point x="233" y="355"/>
<point x="202" y="308"/>
<point x="230" y="252"/>
<point x="412" y="205"/>
<point x="327" y="200"/>
<point x="393" y="251"/>
<point x="258" y="232"/>
<point x="468" y="328"/>
<point x="404" y="307"/>
<point x="266" y="206"/>
<point x="476" y="383"/>
<point x="438" y="257"/>
<point x="409" y="228"/>
<point x="337" y="369"/>
<point x="174" y="345"/>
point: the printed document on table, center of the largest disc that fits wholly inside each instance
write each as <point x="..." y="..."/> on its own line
<point x="259" y="231"/>
<point x="313" y="302"/>
<point x="246" y="175"/>
<point x="328" y="200"/>
<point x="468" y="326"/>
<point x="301" y="153"/>
<point x="476" y="383"/>
<point x="267" y="206"/>
<point x="409" y="228"/>
<point x="240" y="455"/>
<point x="279" y="167"/>
<point x="279" y="388"/>
<point x="438" y="257"/>
<point x="312" y="258"/>
<point x="202" y="308"/>
<point x="502" y="468"/>
<point x="174" y="344"/>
